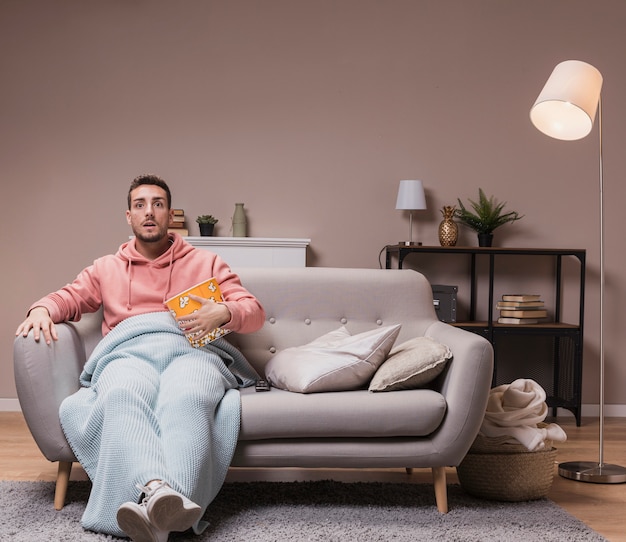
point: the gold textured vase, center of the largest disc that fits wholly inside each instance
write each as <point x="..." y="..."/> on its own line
<point x="448" y="228"/>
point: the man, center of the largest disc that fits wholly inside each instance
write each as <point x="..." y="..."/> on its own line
<point x="153" y="412"/>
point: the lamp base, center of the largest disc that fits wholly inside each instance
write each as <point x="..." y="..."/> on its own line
<point x="588" y="471"/>
<point x="410" y="243"/>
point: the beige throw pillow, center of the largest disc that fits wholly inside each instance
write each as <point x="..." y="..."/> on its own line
<point x="411" y="364"/>
<point x="336" y="361"/>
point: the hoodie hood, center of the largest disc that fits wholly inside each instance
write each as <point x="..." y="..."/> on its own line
<point x="129" y="254"/>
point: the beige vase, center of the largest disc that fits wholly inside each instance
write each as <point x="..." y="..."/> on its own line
<point x="239" y="221"/>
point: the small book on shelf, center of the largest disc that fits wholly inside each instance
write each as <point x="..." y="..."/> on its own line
<point x="180" y="231"/>
<point x="530" y="313"/>
<point x="182" y="304"/>
<point x="520" y="305"/>
<point x="509" y="320"/>
<point x="521" y="297"/>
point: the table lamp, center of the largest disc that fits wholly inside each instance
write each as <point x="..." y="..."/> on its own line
<point x="410" y="198"/>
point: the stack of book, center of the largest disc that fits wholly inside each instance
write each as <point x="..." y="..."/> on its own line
<point x="177" y="224"/>
<point x="521" y="309"/>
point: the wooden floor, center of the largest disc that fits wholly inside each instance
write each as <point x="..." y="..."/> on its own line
<point x="601" y="506"/>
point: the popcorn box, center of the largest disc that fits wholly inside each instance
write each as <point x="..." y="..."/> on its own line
<point x="181" y="305"/>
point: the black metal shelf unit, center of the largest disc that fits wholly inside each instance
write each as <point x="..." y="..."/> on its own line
<point x="550" y="353"/>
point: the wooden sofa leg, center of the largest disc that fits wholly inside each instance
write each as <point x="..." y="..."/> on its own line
<point x="441" y="489"/>
<point x="63" y="478"/>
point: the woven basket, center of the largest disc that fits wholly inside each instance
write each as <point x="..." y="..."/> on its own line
<point x="496" y="470"/>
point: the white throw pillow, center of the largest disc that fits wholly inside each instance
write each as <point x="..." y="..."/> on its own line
<point x="411" y="364"/>
<point x="336" y="361"/>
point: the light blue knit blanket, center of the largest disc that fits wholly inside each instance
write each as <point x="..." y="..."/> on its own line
<point x="152" y="407"/>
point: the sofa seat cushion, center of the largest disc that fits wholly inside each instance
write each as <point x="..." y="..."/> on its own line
<point x="360" y="413"/>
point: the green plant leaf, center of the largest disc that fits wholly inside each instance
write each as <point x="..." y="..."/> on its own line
<point x="486" y="214"/>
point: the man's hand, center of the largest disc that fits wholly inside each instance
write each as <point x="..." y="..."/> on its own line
<point x="206" y="318"/>
<point x="39" y="321"/>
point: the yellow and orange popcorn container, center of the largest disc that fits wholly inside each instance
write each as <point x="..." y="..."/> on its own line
<point x="182" y="304"/>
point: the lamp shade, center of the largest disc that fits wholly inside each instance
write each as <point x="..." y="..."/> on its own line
<point x="566" y="107"/>
<point x="411" y="195"/>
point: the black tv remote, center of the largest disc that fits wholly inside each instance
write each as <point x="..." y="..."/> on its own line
<point x="262" y="385"/>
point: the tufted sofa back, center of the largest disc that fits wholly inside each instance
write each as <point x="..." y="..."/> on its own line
<point x="304" y="303"/>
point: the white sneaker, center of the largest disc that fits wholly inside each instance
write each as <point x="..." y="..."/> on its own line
<point x="168" y="510"/>
<point x="133" y="520"/>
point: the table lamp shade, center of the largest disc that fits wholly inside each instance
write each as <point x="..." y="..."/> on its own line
<point x="411" y="195"/>
<point x="566" y="107"/>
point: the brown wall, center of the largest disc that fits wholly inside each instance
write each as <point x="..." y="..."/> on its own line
<point x="310" y="112"/>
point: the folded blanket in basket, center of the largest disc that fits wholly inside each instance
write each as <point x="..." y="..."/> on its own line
<point x="515" y="410"/>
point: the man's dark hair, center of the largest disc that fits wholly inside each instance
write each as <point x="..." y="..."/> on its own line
<point x="150" y="179"/>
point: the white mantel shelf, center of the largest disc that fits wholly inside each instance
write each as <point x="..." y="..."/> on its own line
<point x="209" y="241"/>
<point x="255" y="251"/>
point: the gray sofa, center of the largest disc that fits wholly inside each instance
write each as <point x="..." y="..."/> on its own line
<point x="432" y="427"/>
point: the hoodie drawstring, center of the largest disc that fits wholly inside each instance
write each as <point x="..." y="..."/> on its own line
<point x="169" y="278"/>
<point x="129" y="305"/>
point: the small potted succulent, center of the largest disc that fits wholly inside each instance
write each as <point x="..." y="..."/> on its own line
<point x="484" y="216"/>
<point x="206" y="223"/>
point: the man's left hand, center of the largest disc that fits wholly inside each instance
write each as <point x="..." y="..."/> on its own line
<point x="209" y="316"/>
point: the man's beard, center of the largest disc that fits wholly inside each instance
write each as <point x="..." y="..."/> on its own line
<point x="153" y="237"/>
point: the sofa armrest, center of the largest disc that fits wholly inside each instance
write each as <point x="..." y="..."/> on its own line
<point x="44" y="376"/>
<point x="465" y="384"/>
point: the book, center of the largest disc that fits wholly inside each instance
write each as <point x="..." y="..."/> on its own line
<point x="507" y="320"/>
<point x="520" y="305"/>
<point x="181" y="304"/>
<point x="530" y="313"/>
<point x="521" y="297"/>
<point x="180" y="231"/>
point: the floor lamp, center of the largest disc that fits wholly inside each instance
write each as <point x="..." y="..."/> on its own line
<point x="566" y="109"/>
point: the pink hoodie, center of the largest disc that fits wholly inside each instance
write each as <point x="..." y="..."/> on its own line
<point x="127" y="284"/>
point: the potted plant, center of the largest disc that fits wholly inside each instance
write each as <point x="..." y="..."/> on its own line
<point x="206" y="223"/>
<point x="484" y="216"/>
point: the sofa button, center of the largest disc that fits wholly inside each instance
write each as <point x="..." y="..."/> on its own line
<point x="272" y="349"/>
<point x="379" y="322"/>
<point x="344" y="320"/>
<point x="307" y="321"/>
<point x="272" y="320"/>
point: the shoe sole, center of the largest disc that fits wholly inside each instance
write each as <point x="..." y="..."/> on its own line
<point x="168" y="513"/>
<point x="135" y="525"/>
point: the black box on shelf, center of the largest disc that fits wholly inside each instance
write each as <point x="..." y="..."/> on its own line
<point x="444" y="299"/>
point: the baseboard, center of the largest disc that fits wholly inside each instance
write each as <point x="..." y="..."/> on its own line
<point x="610" y="411"/>
<point x="9" y="405"/>
<point x="593" y="411"/>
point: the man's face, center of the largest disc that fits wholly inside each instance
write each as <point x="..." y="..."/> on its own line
<point x="149" y="216"/>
